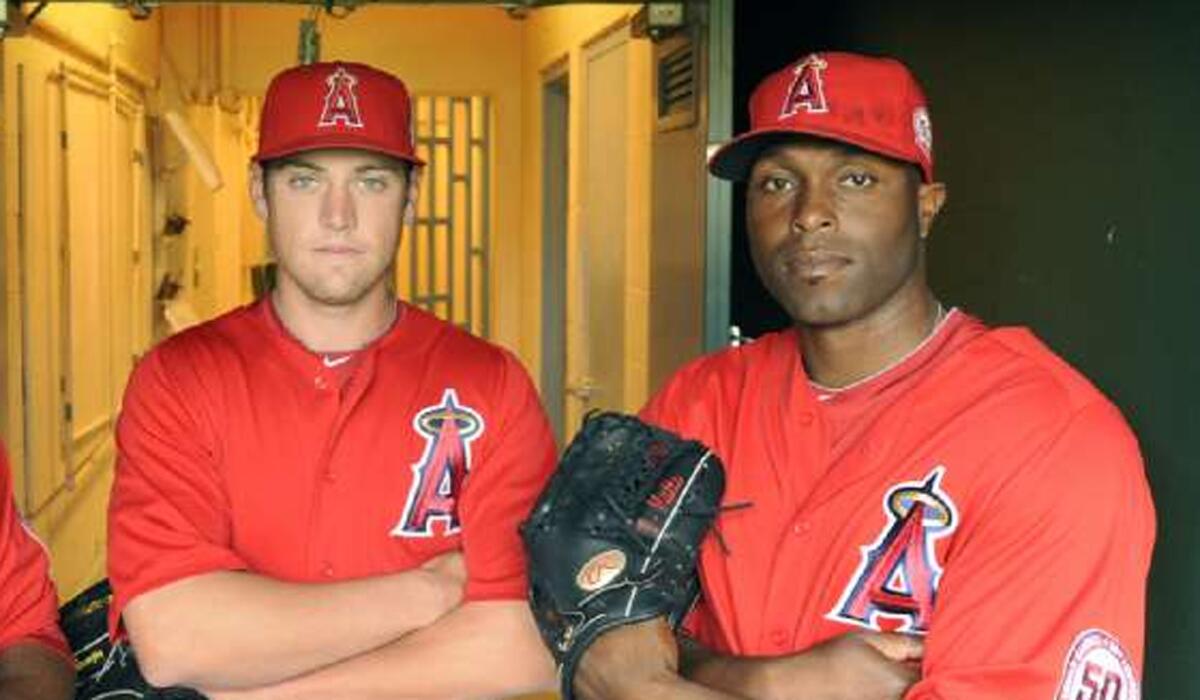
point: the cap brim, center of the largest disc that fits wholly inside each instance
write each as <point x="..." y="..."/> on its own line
<point x="734" y="159"/>
<point x="351" y="141"/>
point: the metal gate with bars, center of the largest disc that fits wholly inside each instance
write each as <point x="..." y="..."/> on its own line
<point x="443" y="261"/>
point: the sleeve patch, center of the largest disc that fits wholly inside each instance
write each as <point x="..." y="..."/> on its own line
<point x="1097" y="668"/>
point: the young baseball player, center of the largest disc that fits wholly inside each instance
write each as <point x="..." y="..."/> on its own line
<point x="317" y="495"/>
<point x="909" y="469"/>
<point x="35" y="663"/>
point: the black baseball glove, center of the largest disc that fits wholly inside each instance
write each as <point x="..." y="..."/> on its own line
<point x="614" y="538"/>
<point x="103" y="670"/>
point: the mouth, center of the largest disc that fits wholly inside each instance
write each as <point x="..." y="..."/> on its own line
<point x="814" y="266"/>
<point x="337" y="249"/>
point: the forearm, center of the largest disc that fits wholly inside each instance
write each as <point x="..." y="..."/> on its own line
<point x="235" y="629"/>
<point x="853" y="665"/>
<point x="480" y="650"/>
<point x="739" y="676"/>
<point x="639" y="661"/>
<point x="32" y="672"/>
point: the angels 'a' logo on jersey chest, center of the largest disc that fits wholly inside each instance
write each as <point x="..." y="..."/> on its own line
<point x="449" y="428"/>
<point x="895" y="585"/>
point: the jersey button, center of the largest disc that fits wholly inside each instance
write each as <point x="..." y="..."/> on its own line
<point x="320" y="382"/>
<point x="806" y="418"/>
<point x="801" y="528"/>
<point x="327" y="571"/>
<point x="779" y="638"/>
<point x="330" y="477"/>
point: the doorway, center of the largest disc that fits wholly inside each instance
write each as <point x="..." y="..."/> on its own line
<point x="555" y="115"/>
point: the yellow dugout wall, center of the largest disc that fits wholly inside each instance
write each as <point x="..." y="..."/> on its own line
<point x="77" y="198"/>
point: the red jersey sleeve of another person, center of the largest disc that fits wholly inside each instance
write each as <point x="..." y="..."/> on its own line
<point x="513" y="464"/>
<point x="1045" y="595"/>
<point x="168" y="516"/>
<point x="28" y="602"/>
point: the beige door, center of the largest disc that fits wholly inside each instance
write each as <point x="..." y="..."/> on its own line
<point x="595" y="352"/>
<point x="88" y="270"/>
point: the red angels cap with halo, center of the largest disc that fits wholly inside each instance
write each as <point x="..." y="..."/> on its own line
<point x="873" y="103"/>
<point x="336" y="105"/>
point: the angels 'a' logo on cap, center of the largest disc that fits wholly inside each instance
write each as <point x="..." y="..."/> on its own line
<point x="341" y="102"/>
<point x="807" y="90"/>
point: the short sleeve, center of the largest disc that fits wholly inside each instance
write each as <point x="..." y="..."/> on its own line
<point x="1043" y="595"/>
<point x="168" y="513"/>
<point x="686" y="404"/>
<point x="28" y="601"/>
<point x="514" y="463"/>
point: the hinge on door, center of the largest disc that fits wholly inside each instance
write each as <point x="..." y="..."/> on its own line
<point x="62" y="139"/>
<point x="68" y="410"/>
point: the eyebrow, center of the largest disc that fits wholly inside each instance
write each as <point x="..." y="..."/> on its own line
<point x="291" y="162"/>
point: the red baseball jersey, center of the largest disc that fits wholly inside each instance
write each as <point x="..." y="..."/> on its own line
<point x="239" y="449"/>
<point x="980" y="493"/>
<point x="28" y="601"/>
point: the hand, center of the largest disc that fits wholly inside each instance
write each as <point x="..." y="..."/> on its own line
<point x="855" y="666"/>
<point x="625" y="662"/>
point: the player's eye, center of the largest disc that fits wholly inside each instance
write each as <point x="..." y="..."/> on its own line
<point x="374" y="183"/>
<point x="302" y="181"/>
<point x="772" y="184"/>
<point x="858" y="179"/>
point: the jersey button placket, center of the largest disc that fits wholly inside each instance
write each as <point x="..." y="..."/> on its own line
<point x="780" y="639"/>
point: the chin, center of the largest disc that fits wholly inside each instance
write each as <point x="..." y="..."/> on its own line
<point x="808" y="309"/>
<point x="821" y="313"/>
<point x="334" y="295"/>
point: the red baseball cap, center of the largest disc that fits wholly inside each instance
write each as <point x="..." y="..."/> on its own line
<point x="336" y="105"/>
<point x="873" y="103"/>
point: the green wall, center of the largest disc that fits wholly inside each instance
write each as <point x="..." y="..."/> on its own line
<point x="1069" y="137"/>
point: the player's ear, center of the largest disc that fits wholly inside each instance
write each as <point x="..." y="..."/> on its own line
<point x="256" y="182"/>
<point x="930" y="198"/>
<point x="414" y="190"/>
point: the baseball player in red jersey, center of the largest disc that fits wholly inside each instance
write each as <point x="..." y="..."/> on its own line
<point x="317" y="496"/>
<point x="910" y="472"/>
<point x="35" y="663"/>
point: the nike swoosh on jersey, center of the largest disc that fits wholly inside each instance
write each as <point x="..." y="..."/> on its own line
<point x="332" y="362"/>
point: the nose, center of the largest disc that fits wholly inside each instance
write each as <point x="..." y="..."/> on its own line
<point x="813" y="211"/>
<point x="337" y="207"/>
